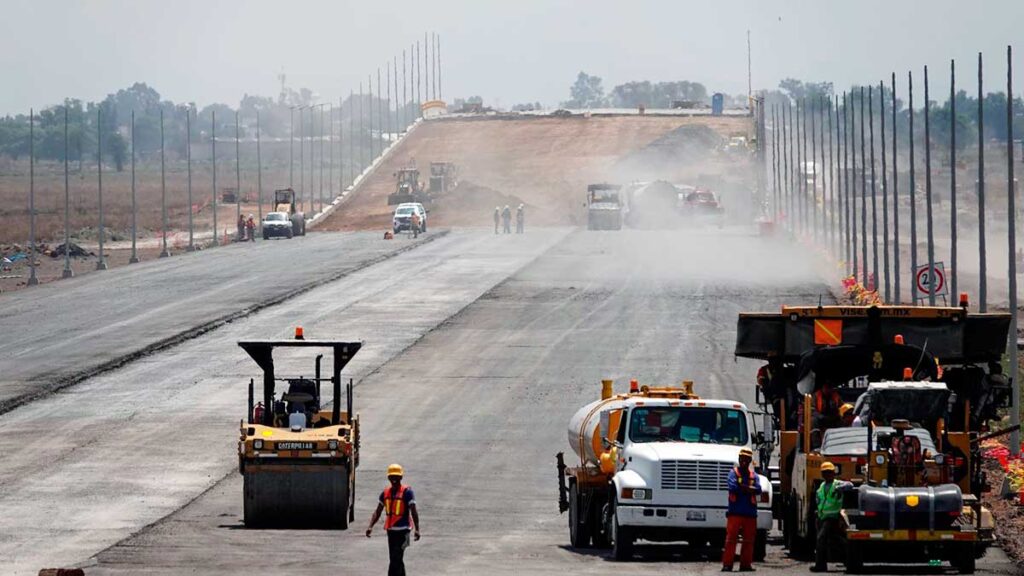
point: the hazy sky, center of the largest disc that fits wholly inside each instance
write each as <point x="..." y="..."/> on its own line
<point x="507" y="52"/>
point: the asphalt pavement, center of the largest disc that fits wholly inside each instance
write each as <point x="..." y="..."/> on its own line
<point x="61" y="332"/>
<point x="478" y="349"/>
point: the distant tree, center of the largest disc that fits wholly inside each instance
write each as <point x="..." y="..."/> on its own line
<point x="799" y="90"/>
<point x="586" y="92"/>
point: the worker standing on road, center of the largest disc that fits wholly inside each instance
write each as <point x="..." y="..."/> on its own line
<point x="744" y="489"/>
<point x="250" y="228"/>
<point x="519" y="219"/>
<point x="830" y="502"/>
<point x="416" y="220"/>
<point x="241" y="228"/>
<point x="506" y="217"/>
<point x="497" y="218"/>
<point x="399" y="505"/>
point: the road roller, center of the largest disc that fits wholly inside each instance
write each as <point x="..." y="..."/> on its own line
<point x="297" y="453"/>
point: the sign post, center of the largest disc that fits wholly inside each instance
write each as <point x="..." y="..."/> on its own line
<point x="923" y="278"/>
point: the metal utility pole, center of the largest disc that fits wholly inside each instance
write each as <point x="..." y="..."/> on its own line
<point x="426" y="65"/>
<point x="352" y="137"/>
<point x="953" y="288"/>
<point x="419" y="80"/>
<point x="793" y="190"/>
<point x="68" y="272"/>
<point x="302" y="162"/>
<point x="135" y="255"/>
<point x="913" y="187"/>
<point x="321" y="138"/>
<point x="874" y="195"/>
<point x="775" y="172"/>
<point x="833" y="236"/>
<point x="858" y="271"/>
<point x="101" y="264"/>
<point x="330" y="151"/>
<point x="885" y="195"/>
<point x="750" y="90"/>
<point x="259" y="177"/>
<point x="895" y="203"/>
<point x="398" y="123"/>
<point x="814" y="175"/>
<point x="433" y="62"/>
<point x="845" y="177"/>
<point x="369" y="83"/>
<point x="825" y="229"/>
<point x="928" y="192"/>
<point x="291" y="147"/>
<point x="238" y="170"/>
<point x="362" y="164"/>
<point x="437" y="54"/>
<point x="163" y="190"/>
<point x="863" y="199"/>
<point x="380" y="113"/>
<point x="312" y="156"/>
<point x="807" y="222"/>
<point x="1012" y="238"/>
<point x="405" y="93"/>
<point x="213" y="141"/>
<point x="32" y="280"/>
<point x="788" y="203"/>
<point x="982" y="266"/>
<point x="387" y="98"/>
<point x="188" y="163"/>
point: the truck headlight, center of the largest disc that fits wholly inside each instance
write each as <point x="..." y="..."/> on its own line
<point x="257" y="444"/>
<point x="332" y="445"/>
<point x="637" y="493"/>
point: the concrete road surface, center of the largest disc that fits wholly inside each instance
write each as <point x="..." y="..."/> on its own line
<point x="475" y="409"/>
<point x="62" y="331"/>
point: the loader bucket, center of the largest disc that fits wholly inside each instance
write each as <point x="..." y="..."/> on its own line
<point x="296" y="495"/>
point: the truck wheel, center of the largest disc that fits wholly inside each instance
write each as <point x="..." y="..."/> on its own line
<point x="579" y="529"/>
<point x="622" y="539"/>
<point x="599" y="535"/>
<point x="761" y="545"/>
<point x="854" y="557"/>
<point x="965" y="559"/>
<point x="289" y="234"/>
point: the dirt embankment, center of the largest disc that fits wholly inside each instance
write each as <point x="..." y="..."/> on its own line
<point x="545" y="163"/>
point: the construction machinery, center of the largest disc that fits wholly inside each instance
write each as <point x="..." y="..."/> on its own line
<point x="408" y="188"/>
<point x="923" y="381"/>
<point x="654" y="464"/>
<point x="298" y="454"/>
<point x="284" y="201"/>
<point x="444" y="177"/>
<point x="604" y="207"/>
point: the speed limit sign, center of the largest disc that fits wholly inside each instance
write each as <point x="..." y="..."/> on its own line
<point x="925" y="276"/>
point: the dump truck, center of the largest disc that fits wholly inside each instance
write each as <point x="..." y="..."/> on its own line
<point x="285" y="201"/>
<point x="923" y="381"/>
<point x="653" y="464"/>
<point x="444" y="177"/>
<point x="408" y="188"/>
<point x="298" y="454"/>
<point x="604" y="207"/>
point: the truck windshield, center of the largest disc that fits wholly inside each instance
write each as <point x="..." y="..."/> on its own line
<point x="685" y="424"/>
<point x="276" y="217"/>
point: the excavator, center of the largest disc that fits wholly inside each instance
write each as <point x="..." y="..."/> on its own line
<point x="298" y="454"/>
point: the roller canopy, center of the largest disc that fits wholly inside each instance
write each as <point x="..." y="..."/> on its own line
<point x="952" y="335"/>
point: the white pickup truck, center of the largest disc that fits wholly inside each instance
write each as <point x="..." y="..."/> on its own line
<point x="654" y="465"/>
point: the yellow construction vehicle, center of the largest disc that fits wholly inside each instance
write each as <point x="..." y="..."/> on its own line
<point x="297" y="458"/>
<point x="922" y="382"/>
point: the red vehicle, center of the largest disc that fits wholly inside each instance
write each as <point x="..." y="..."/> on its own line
<point x="702" y="204"/>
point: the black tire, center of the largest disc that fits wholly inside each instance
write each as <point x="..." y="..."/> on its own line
<point x="798" y="546"/>
<point x="289" y="235"/>
<point x="622" y="538"/>
<point x="266" y="236"/>
<point x="761" y="545"/>
<point x="965" y="559"/>
<point x="854" y="557"/>
<point x="579" y="528"/>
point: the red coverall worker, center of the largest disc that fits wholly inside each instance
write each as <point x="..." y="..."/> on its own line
<point x="741" y="517"/>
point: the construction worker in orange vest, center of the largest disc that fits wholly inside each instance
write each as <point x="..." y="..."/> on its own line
<point x="398" y="503"/>
<point x="826" y="403"/>
<point x="741" y="516"/>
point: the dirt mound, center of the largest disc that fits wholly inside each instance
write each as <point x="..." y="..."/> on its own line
<point x="543" y="162"/>
<point x="472" y="204"/>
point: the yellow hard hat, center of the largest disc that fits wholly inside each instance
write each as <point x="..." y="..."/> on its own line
<point x="746" y="452"/>
<point x="845" y="408"/>
<point x="395" y="470"/>
<point x="828" y="467"/>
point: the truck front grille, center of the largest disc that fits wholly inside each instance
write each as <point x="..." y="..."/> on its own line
<point x="694" y="475"/>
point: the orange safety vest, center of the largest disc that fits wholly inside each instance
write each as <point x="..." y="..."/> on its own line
<point x="747" y="481"/>
<point x="394" y="506"/>
<point x="833" y="401"/>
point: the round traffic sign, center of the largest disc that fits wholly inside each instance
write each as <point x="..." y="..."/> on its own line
<point x="922" y="279"/>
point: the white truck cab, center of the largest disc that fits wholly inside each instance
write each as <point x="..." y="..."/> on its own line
<point x="662" y="474"/>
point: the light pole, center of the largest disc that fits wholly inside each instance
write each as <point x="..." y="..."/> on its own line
<point x="163" y="189"/>
<point x="135" y="255"/>
<point x="32" y="280"/>
<point x="188" y="163"/>
<point x="68" y="272"/>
